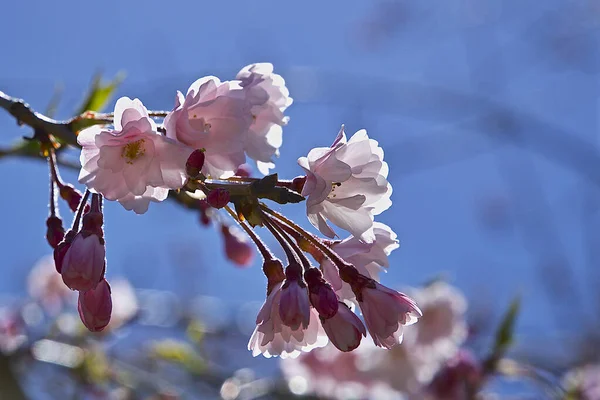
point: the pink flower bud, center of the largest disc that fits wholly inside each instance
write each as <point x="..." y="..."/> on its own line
<point x="83" y="264"/>
<point x="218" y="198"/>
<point x="244" y="171"/>
<point x="237" y="247"/>
<point x="61" y="250"/>
<point x="72" y="196"/>
<point x="298" y="183"/>
<point x="194" y="163"/>
<point x="322" y="296"/>
<point x="55" y="232"/>
<point x="294" y="307"/>
<point x="344" y="329"/>
<point x="95" y="307"/>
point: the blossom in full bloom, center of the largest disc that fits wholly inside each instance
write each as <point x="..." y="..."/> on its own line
<point x="386" y="312"/>
<point x="272" y="338"/>
<point x="131" y="163"/>
<point x="347" y="185"/>
<point x="95" y="307"/>
<point x="269" y="97"/>
<point x="368" y="258"/>
<point x="83" y="264"/>
<point x="214" y="116"/>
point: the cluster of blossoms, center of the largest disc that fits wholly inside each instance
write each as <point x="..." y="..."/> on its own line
<point x="429" y="365"/>
<point x="198" y="154"/>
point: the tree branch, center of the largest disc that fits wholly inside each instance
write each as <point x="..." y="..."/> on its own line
<point x="24" y="114"/>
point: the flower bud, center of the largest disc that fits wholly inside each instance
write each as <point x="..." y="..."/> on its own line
<point x="194" y="163"/>
<point x="322" y="296"/>
<point x="61" y="250"/>
<point x="456" y="377"/>
<point x="83" y="263"/>
<point x="55" y="232"/>
<point x="244" y="171"/>
<point x="237" y="248"/>
<point x="95" y="306"/>
<point x="72" y="196"/>
<point x="218" y="198"/>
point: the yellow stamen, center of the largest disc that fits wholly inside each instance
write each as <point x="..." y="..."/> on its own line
<point x="132" y="151"/>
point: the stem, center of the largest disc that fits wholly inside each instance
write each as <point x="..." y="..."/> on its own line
<point x="278" y="225"/>
<point x="262" y="247"/>
<point x="52" y="198"/>
<point x="111" y="116"/>
<point x="289" y="252"/>
<point x="96" y="203"/>
<point x="336" y="259"/>
<point x="54" y="170"/>
<point x="82" y="203"/>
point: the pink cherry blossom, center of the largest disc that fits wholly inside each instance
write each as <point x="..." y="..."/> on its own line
<point x="294" y="306"/>
<point x="272" y="338"/>
<point x="344" y="329"/>
<point x="83" y="263"/>
<point x="368" y="258"/>
<point x="443" y="328"/>
<point x="131" y="163"/>
<point x="95" y="307"/>
<point x="269" y="98"/>
<point x="347" y="185"/>
<point x="214" y="116"/>
<point x="386" y="312"/>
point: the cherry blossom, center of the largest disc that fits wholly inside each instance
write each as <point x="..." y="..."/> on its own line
<point x="214" y="116"/>
<point x="269" y="98"/>
<point x="386" y="312"/>
<point x="272" y="338"/>
<point x="347" y="185"/>
<point x="344" y="329"/>
<point x="368" y="258"/>
<point x="131" y="163"/>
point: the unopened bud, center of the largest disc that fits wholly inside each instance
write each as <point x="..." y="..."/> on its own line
<point x="55" y="232"/>
<point x="61" y="250"/>
<point x="244" y="171"/>
<point x="322" y="296"/>
<point x="218" y="198"/>
<point x="83" y="263"/>
<point x="95" y="306"/>
<point x="237" y="247"/>
<point x="298" y="183"/>
<point x="194" y="164"/>
<point x="72" y="196"/>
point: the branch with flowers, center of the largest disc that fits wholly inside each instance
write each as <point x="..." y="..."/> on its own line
<point x="195" y="154"/>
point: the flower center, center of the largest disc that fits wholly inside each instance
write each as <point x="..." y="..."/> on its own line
<point x="333" y="186"/>
<point x="134" y="150"/>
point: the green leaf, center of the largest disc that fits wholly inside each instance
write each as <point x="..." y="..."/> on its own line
<point x="100" y="93"/>
<point x="504" y="336"/>
<point x="505" y="332"/>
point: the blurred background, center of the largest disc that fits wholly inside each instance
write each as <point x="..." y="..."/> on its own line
<point x="487" y="111"/>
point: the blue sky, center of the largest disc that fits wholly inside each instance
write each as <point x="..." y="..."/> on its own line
<point x="423" y="79"/>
